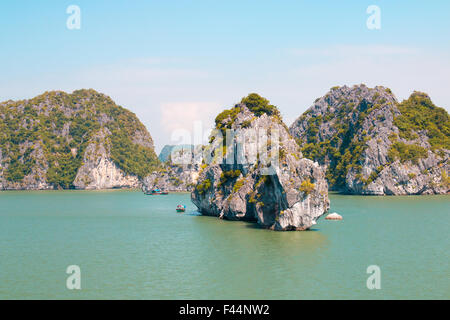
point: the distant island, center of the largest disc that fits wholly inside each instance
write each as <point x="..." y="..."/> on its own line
<point x="364" y="140"/>
<point x="167" y="150"/>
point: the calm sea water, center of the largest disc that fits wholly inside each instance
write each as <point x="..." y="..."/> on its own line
<point x="132" y="246"/>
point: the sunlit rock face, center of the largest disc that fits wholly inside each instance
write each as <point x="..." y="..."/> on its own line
<point x="99" y="171"/>
<point x="371" y="144"/>
<point x="260" y="175"/>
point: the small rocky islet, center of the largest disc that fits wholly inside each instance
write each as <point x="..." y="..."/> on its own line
<point x="355" y="140"/>
<point x="290" y="195"/>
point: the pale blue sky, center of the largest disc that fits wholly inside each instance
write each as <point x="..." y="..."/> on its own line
<point x="174" y="62"/>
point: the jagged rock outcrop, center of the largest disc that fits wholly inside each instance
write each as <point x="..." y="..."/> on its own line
<point x="372" y="144"/>
<point x="171" y="178"/>
<point x="179" y="172"/>
<point x="81" y="140"/>
<point x="282" y="191"/>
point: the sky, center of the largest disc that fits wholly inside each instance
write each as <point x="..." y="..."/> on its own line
<point x="177" y="64"/>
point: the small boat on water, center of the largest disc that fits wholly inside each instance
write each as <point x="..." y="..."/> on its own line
<point x="156" y="192"/>
<point x="181" y="208"/>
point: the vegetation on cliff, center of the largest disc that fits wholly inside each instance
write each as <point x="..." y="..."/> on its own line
<point x="241" y="186"/>
<point x="253" y="102"/>
<point x="419" y="114"/>
<point x="344" y="147"/>
<point x="47" y="136"/>
<point x="361" y="134"/>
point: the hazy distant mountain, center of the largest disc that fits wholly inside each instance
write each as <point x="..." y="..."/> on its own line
<point x="168" y="149"/>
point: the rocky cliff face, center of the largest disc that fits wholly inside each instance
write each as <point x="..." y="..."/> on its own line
<point x="171" y="178"/>
<point x="179" y="173"/>
<point x="372" y="144"/>
<point x="260" y="175"/>
<point x="35" y="179"/>
<point x="98" y="171"/>
<point x="81" y="140"/>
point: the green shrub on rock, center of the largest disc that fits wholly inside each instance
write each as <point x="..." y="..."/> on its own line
<point x="418" y="113"/>
<point x="406" y="152"/>
<point x="307" y="187"/>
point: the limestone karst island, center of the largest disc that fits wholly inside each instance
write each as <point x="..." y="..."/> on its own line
<point x="244" y="156"/>
<point x="354" y="140"/>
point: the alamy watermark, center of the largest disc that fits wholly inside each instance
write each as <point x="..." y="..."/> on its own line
<point x="73" y="281"/>
<point x="248" y="146"/>
<point x="374" y="280"/>
<point x="73" y="22"/>
<point x="374" y="20"/>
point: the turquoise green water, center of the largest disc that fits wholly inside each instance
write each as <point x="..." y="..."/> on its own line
<point x="132" y="246"/>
